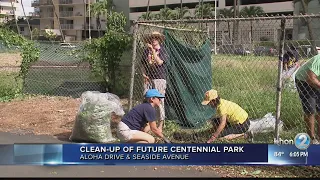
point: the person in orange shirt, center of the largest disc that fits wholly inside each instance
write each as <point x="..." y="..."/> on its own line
<point x="231" y="122"/>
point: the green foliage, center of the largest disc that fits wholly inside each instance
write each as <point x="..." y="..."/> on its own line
<point x="9" y="87"/>
<point x="205" y="11"/>
<point x="29" y="52"/>
<point x="104" y="54"/>
<point x="35" y="33"/>
<point x="50" y="35"/>
<point x="167" y="14"/>
<point x="252" y="11"/>
<point x="226" y="13"/>
<point x="116" y="22"/>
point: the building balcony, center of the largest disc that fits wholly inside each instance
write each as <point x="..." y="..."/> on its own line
<point x="35" y="3"/>
<point x="61" y="2"/>
<point x="8" y="13"/>
<point x="39" y="15"/>
<point x="34" y="14"/>
<point x="66" y="26"/>
<point x="87" y="26"/>
<point x="66" y="13"/>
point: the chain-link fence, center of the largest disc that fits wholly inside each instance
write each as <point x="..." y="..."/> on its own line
<point x="62" y="71"/>
<point x="240" y="60"/>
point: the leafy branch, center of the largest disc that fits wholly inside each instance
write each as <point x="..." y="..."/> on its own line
<point x="104" y="54"/>
<point x="29" y="52"/>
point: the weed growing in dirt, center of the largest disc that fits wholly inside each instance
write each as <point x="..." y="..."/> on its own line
<point x="10" y="87"/>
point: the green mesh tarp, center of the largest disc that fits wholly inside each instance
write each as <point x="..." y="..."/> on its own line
<point x="189" y="77"/>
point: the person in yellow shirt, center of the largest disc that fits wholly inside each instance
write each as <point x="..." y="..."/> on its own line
<point x="231" y="119"/>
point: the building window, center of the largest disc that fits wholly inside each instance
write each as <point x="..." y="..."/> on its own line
<point x="22" y="29"/>
<point x="248" y="2"/>
<point x="171" y="6"/>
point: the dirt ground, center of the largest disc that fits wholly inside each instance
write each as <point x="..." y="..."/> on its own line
<point x="10" y="59"/>
<point x="41" y="115"/>
<point x="56" y="115"/>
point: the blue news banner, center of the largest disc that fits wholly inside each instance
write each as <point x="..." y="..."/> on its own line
<point x="157" y="154"/>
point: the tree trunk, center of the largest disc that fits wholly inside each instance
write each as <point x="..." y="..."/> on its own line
<point x="26" y="20"/>
<point x="234" y="23"/>
<point x="98" y="25"/>
<point x="14" y="16"/>
<point x="251" y="30"/>
<point x="229" y="31"/>
<point x="148" y="9"/>
<point x="85" y="19"/>
<point x="55" y="13"/>
<point x="311" y="35"/>
<point x="180" y="9"/>
<point x="238" y="14"/>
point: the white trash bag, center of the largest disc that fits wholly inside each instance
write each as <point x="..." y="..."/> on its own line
<point x="265" y="124"/>
<point x="93" y="120"/>
<point x="288" y="77"/>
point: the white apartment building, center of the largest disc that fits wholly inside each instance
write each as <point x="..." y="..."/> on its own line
<point x="6" y="11"/>
<point x="138" y="7"/>
<point x="75" y="21"/>
<point x="72" y="14"/>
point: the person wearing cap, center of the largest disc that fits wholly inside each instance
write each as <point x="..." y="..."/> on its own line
<point x="154" y="68"/>
<point x="134" y="126"/>
<point x="290" y="58"/>
<point x="232" y="120"/>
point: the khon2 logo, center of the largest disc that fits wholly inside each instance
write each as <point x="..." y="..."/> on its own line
<point x="302" y="141"/>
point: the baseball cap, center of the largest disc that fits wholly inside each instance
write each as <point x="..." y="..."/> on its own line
<point x="153" y="93"/>
<point x="209" y="96"/>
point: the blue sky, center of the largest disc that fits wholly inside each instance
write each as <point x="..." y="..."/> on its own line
<point x="27" y="6"/>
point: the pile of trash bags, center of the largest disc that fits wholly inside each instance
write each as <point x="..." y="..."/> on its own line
<point x="93" y="120"/>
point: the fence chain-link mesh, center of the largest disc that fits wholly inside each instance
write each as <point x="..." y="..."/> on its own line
<point x="62" y="71"/>
<point x="243" y="69"/>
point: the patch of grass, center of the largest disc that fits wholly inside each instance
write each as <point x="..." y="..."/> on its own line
<point x="10" y="88"/>
<point x="251" y="82"/>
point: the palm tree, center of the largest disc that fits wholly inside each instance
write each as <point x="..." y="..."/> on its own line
<point x="181" y="13"/>
<point x="236" y="13"/>
<point x="205" y="11"/>
<point x="304" y="4"/>
<point x="181" y="4"/>
<point x="227" y="13"/>
<point x="100" y="8"/>
<point x="146" y="16"/>
<point x="24" y="13"/>
<point x="14" y="16"/>
<point x="55" y="13"/>
<point x="165" y="14"/>
<point x="148" y="9"/>
<point x="251" y="12"/>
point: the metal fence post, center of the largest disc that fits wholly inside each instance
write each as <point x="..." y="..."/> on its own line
<point x="134" y="55"/>
<point x="280" y="68"/>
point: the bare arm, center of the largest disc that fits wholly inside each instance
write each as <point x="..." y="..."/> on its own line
<point x="154" y="53"/>
<point x="155" y="130"/>
<point x="157" y="58"/>
<point x="222" y="125"/>
<point x="313" y="79"/>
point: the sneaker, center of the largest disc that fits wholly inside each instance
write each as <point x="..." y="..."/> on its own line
<point x="249" y="136"/>
<point x="315" y="141"/>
